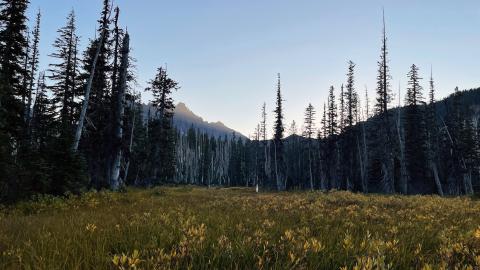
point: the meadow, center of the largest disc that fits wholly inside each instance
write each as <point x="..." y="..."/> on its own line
<point x="236" y="228"/>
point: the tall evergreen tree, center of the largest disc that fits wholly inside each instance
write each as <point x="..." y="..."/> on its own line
<point x="324" y="132"/>
<point x="278" y="154"/>
<point x="96" y="144"/>
<point x="13" y="47"/>
<point x="433" y="136"/>
<point x="42" y="116"/>
<point x="383" y="144"/>
<point x="415" y="132"/>
<point x="332" y="125"/>
<point x="341" y="112"/>
<point x="351" y="97"/>
<point x="34" y="61"/>
<point x="63" y="75"/>
<point x="162" y="131"/>
<point x="384" y="94"/>
<point x="309" y="132"/>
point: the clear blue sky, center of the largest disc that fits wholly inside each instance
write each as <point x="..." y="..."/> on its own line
<point x="226" y="54"/>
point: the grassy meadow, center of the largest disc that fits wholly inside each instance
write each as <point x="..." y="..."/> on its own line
<point x="199" y="228"/>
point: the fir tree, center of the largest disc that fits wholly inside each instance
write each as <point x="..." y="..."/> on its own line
<point x="13" y="47"/>
<point x="63" y="75"/>
<point x="309" y="132"/>
<point x="162" y="131"/>
<point x="97" y="140"/>
<point x="278" y="139"/>
<point x="34" y="61"/>
<point x="324" y="133"/>
<point x="332" y="113"/>
<point x="342" y="109"/>
<point x="415" y="132"/>
<point x="384" y="95"/>
<point x="351" y="98"/>
<point x="42" y="116"/>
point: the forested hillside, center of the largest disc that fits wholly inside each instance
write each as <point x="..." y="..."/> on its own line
<point x="80" y="124"/>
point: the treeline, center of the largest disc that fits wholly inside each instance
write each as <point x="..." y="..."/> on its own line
<point x="423" y="147"/>
<point x="77" y="125"/>
<point x="80" y="125"/>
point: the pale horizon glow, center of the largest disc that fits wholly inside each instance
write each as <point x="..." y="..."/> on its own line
<point x="226" y="54"/>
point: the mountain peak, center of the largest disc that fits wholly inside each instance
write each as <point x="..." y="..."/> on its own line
<point x="184" y="119"/>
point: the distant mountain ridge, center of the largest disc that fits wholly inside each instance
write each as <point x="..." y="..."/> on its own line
<point x="184" y="118"/>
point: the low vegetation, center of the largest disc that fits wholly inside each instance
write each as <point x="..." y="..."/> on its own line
<point x="197" y="228"/>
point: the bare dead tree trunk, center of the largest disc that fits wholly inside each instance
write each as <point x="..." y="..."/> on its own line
<point x="115" y="182"/>
<point x="362" y="166"/>
<point x="88" y="88"/>
<point x="365" y="160"/>
<point x="403" y="166"/>
<point x="310" y="166"/>
<point x="127" y="166"/>
<point x="438" y="184"/>
<point x="467" y="175"/>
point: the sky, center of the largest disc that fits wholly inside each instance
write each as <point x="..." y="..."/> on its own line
<point x="226" y="54"/>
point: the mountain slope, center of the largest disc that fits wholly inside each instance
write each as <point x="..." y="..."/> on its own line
<point x="184" y="118"/>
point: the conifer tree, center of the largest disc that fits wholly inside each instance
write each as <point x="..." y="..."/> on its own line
<point x="332" y="113"/>
<point x="278" y="139"/>
<point x="97" y="107"/>
<point x="63" y="75"/>
<point x="95" y="65"/>
<point x="324" y="122"/>
<point x="34" y="61"/>
<point x="42" y="116"/>
<point x="341" y="112"/>
<point x="13" y="47"/>
<point x="384" y="95"/>
<point x="432" y="135"/>
<point x="309" y="132"/>
<point x="161" y="127"/>
<point x="415" y="132"/>
<point x="384" y="152"/>
<point x="351" y="99"/>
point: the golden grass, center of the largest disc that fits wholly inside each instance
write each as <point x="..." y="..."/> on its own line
<point x="186" y="227"/>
